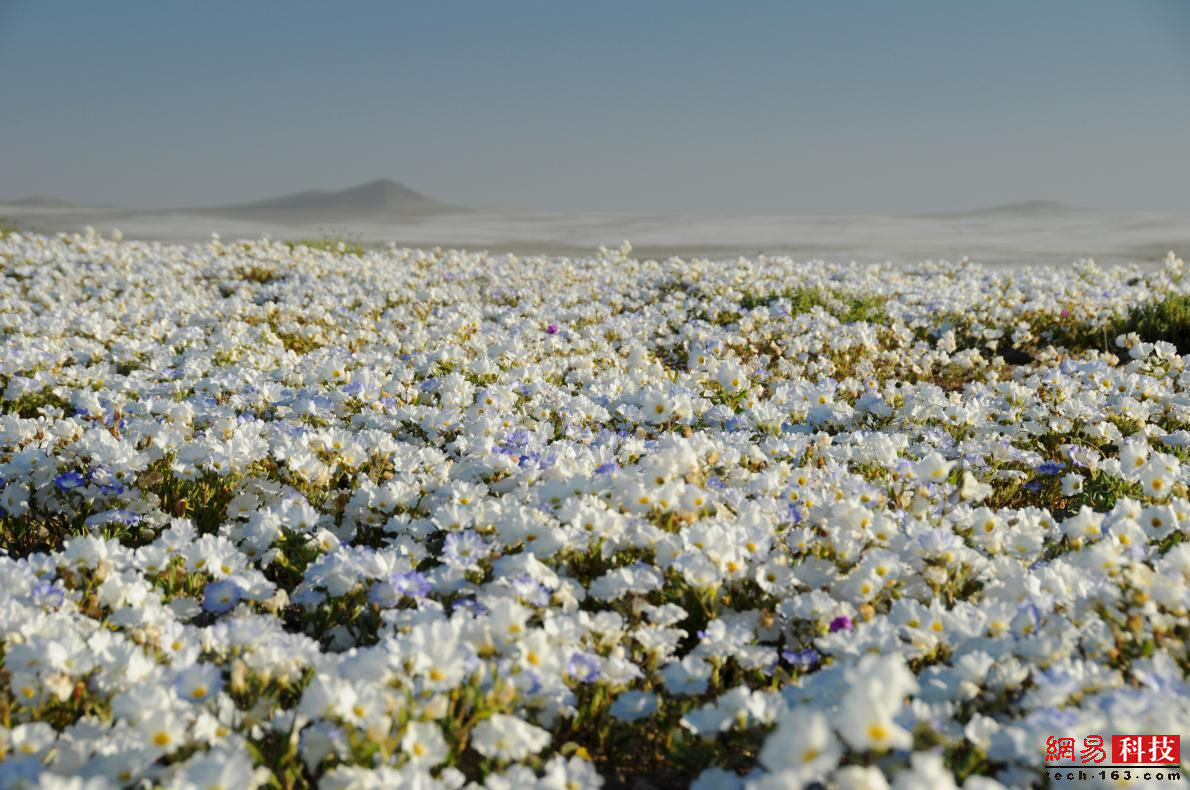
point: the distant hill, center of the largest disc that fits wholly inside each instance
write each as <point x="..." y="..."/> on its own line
<point x="1025" y="208"/>
<point x="378" y="201"/>
<point x="38" y="202"/>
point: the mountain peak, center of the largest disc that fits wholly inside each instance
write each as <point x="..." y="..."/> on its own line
<point x="386" y="191"/>
<point x="380" y="200"/>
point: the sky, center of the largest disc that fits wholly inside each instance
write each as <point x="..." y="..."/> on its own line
<point x="654" y="107"/>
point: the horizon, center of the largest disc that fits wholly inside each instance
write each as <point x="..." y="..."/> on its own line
<point x="246" y="201"/>
<point x="772" y="109"/>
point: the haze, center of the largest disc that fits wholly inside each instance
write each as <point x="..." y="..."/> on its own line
<point x="623" y="107"/>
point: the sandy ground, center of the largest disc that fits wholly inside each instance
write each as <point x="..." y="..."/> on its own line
<point x="1024" y="234"/>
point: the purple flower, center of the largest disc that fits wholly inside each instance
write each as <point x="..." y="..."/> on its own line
<point x="464" y="549"/>
<point x="389" y="593"/>
<point x="126" y="518"/>
<point x="841" y="623"/>
<point x="802" y="659"/>
<point x="470" y="605"/>
<point x="583" y="667"/>
<point x="1086" y="457"/>
<point x="410" y="583"/>
<point x="530" y="590"/>
<point x="221" y="596"/>
<point x="48" y="595"/>
<point x="1031" y="608"/>
<point x="552" y="329"/>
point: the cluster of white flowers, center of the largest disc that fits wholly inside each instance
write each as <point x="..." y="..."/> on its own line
<point x="281" y="516"/>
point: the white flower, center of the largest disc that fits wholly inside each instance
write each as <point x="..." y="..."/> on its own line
<point x="424" y="744"/>
<point x="503" y="737"/>
<point x="1072" y="483"/>
<point x="933" y="468"/>
<point x="219" y="768"/>
<point x="803" y="746"/>
<point x="856" y="777"/>
<point x="972" y="490"/>
<point x="633" y="705"/>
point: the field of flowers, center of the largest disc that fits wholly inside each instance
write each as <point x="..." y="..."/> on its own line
<point x="277" y="515"/>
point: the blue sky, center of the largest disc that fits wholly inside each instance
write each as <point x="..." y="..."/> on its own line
<point x="637" y="107"/>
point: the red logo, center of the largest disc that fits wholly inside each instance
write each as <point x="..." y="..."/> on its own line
<point x="1125" y="750"/>
<point x="1146" y="749"/>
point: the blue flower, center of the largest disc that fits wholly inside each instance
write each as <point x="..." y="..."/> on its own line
<point x="608" y="468"/>
<point x="125" y="517"/>
<point x="112" y="489"/>
<point x="1050" y="468"/>
<point x="68" y="481"/>
<point x="221" y="596"/>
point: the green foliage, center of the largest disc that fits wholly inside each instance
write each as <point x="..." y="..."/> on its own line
<point x="330" y="244"/>
<point x="261" y="275"/>
<point x="31" y="404"/>
<point x="1167" y="319"/>
<point x="847" y="308"/>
